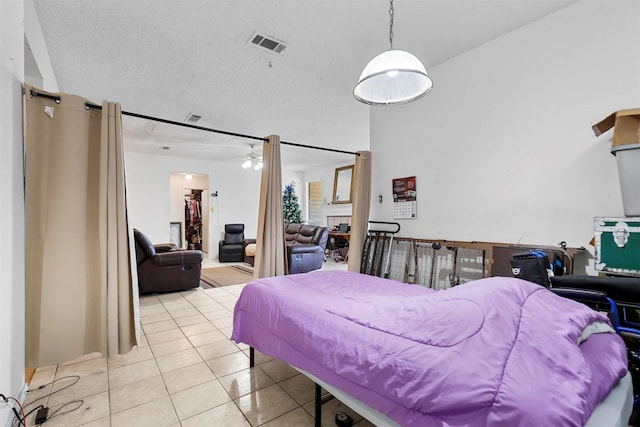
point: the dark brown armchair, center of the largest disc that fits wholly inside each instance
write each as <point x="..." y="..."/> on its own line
<point x="164" y="268"/>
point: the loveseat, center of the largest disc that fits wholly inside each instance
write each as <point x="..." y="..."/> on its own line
<point x="305" y="246"/>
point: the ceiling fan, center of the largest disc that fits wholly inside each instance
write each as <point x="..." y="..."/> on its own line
<point x="252" y="160"/>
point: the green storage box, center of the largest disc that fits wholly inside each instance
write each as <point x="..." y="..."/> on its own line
<point x="618" y="245"/>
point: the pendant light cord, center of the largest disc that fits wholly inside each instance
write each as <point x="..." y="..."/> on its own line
<point x="391" y="24"/>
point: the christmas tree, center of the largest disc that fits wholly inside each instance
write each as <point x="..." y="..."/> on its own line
<point x="290" y="206"/>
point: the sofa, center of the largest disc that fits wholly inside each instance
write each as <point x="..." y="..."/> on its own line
<point x="305" y="247"/>
<point x="164" y="268"/>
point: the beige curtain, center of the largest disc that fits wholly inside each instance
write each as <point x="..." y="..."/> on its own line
<point x="81" y="292"/>
<point x="361" y="200"/>
<point x="270" y="257"/>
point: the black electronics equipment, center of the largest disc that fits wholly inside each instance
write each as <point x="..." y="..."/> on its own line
<point x="343" y="420"/>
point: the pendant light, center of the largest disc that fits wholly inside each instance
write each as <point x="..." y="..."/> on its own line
<point x="392" y="77"/>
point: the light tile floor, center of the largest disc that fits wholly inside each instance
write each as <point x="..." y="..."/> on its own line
<point x="186" y="372"/>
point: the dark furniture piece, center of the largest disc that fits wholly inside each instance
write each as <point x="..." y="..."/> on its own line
<point x="305" y="246"/>
<point x="619" y="298"/>
<point x="502" y="256"/>
<point x="164" y="268"/>
<point x="231" y="248"/>
<point x="623" y="290"/>
<point x="338" y="245"/>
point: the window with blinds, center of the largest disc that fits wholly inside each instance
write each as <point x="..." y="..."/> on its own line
<point x="314" y="203"/>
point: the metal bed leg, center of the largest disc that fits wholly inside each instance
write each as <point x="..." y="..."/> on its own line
<point x="252" y="357"/>
<point x="319" y="401"/>
<point x="318" y="406"/>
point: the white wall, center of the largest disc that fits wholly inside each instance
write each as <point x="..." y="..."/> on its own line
<point x="38" y="46"/>
<point x="11" y="210"/>
<point x="503" y="148"/>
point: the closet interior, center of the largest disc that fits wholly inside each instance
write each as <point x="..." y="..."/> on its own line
<point x="193" y="219"/>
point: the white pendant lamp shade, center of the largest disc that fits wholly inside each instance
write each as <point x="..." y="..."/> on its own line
<point x="393" y="77"/>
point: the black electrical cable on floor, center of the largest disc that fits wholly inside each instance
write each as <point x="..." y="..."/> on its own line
<point x="76" y="377"/>
<point x="55" y="413"/>
<point x="21" y="414"/>
<point x="18" y="417"/>
<point x="24" y="420"/>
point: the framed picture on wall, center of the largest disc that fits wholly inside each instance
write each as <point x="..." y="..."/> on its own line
<point x="175" y="233"/>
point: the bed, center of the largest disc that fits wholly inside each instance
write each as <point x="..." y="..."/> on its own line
<point x="495" y="352"/>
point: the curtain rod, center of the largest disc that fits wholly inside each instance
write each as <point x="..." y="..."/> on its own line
<point x="240" y="135"/>
<point x="89" y="105"/>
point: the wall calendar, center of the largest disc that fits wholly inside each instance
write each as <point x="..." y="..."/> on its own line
<point x="404" y="198"/>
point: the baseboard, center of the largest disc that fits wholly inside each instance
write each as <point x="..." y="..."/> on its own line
<point x="7" y="414"/>
<point x="23" y="393"/>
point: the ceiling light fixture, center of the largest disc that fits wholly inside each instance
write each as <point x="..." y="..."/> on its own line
<point x="253" y="160"/>
<point x="188" y="177"/>
<point x="255" y="163"/>
<point x="392" y="77"/>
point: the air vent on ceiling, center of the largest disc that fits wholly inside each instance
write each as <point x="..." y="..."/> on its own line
<point x="165" y="147"/>
<point x="192" y="118"/>
<point x="268" y="43"/>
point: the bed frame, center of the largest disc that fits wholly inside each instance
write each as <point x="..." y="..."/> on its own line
<point x="614" y="411"/>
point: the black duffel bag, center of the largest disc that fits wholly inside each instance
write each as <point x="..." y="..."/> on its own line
<point x="532" y="266"/>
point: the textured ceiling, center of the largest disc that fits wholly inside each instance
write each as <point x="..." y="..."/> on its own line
<point x="170" y="58"/>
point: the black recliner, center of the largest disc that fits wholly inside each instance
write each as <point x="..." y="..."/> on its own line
<point x="231" y="248"/>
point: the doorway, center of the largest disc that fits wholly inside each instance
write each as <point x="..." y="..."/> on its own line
<point x="189" y="206"/>
<point x="193" y="232"/>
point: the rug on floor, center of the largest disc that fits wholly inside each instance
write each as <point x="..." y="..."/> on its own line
<point x="225" y="276"/>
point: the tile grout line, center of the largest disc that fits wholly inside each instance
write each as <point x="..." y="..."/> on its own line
<point x="217" y="379"/>
<point x="210" y="322"/>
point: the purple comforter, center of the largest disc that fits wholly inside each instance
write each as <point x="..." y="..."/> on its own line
<point x="497" y="351"/>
